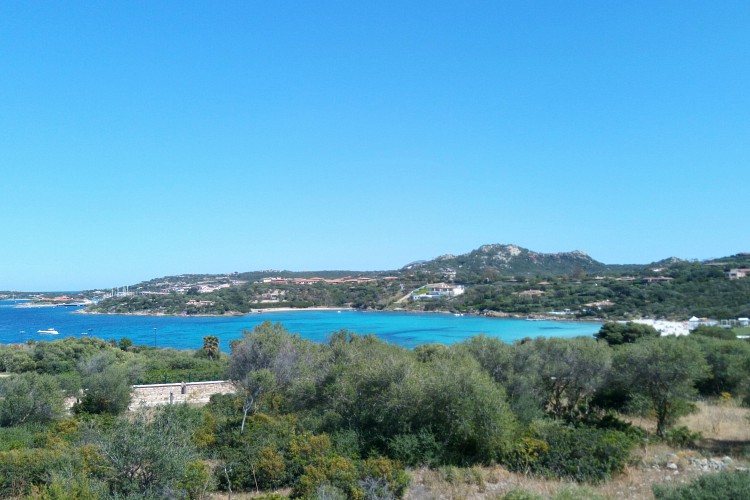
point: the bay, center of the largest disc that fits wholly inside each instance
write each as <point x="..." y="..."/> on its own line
<point x="18" y="325"/>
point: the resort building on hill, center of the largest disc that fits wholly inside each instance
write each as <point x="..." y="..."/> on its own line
<point x="735" y="274"/>
<point x="437" y="291"/>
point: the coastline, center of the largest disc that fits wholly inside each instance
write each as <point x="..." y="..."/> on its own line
<point x="230" y="313"/>
<point x="263" y="310"/>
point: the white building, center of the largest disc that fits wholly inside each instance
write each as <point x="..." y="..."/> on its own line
<point x="735" y="274"/>
<point x="437" y="291"/>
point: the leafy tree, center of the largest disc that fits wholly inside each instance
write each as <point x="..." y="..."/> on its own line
<point x="252" y="388"/>
<point x="729" y="361"/>
<point x="515" y="368"/>
<point x="664" y="371"/>
<point x="618" y="333"/>
<point x="567" y="371"/>
<point x="465" y="410"/>
<point x="106" y="387"/>
<point x="294" y="362"/>
<point x="29" y="397"/>
<point x="17" y="360"/>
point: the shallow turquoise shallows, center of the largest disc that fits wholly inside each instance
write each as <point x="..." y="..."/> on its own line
<point x="17" y="325"/>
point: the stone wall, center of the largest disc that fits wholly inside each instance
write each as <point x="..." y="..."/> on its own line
<point x="192" y="392"/>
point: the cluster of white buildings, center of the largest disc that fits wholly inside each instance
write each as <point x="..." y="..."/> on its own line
<point x="685" y="327"/>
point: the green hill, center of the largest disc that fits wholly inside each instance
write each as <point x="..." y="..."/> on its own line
<point x="512" y="260"/>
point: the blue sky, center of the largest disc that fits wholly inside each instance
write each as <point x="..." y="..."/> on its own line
<point x="143" y="139"/>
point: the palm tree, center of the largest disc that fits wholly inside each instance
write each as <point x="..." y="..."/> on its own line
<point x="211" y="346"/>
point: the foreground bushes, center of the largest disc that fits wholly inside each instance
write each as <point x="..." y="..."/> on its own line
<point x="343" y="418"/>
<point x="581" y="454"/>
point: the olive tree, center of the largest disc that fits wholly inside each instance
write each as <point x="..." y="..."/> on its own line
<point x="663" y="370"/>
<point x="572" y="370"/>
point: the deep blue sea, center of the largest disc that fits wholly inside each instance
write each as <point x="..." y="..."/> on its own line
<point x="17" y="325"/>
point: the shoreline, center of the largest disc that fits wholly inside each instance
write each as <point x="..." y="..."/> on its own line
<point x="488" y="314"/>
<point x="228" y="314"/>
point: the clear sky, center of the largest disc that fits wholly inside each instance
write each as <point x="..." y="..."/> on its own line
<point x="144" y="139"/>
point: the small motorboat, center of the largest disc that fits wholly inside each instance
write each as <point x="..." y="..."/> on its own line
<point x="49" y="331"/>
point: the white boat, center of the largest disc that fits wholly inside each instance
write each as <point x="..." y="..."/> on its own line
<point x="49" y="331"/>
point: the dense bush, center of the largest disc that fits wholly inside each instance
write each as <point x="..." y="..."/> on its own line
<point x="23" y="469"/>
<point x="30" y="397"/>
<point x="682" y="437"/>
<point x="149" y="456"/>
<point x="579" y="453"/>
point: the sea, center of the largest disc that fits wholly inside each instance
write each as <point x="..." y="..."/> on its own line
<point x="20" y="324"/>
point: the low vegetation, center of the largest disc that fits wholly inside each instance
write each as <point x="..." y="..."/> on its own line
<point x="358" y="418"/>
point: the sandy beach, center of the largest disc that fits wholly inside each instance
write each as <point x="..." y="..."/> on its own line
<point x="666" y="327"/>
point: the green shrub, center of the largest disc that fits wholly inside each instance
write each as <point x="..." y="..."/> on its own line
<point x="682" y="437"/>
<point x="372" y="478"/>
<point x="582" y="454"/>
<point x="336" y="471"/>
<point x="21" y="436"/>
<point x="725" y="485"/>
<point x="196" y="480"/>
<point x="23" y="469"/>
<point x="71" y="487"/>
<point x="577" y="493"/>
<point x="614" y="423"/>
<point x="30" y="397"/>
<point x="388" y="475"/>
<point x="346" y="443"/>
<point x="415" y="449"/>
<point x="519" y="494"/>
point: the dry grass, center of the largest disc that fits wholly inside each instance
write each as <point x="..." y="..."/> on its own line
<point x="634" y="483"/>
<point x="725" y="421"/>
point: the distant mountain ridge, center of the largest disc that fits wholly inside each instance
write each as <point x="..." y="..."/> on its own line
<point x="516" y="260"/>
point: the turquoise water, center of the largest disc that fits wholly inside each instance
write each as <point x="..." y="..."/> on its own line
<point x="18" y="325"/>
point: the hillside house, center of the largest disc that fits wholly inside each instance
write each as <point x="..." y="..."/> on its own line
<point x="735" y="274"/>
<point x="437" y="291"/>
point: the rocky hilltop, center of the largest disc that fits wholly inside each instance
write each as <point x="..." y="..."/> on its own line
<point x="512" y="260"/>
